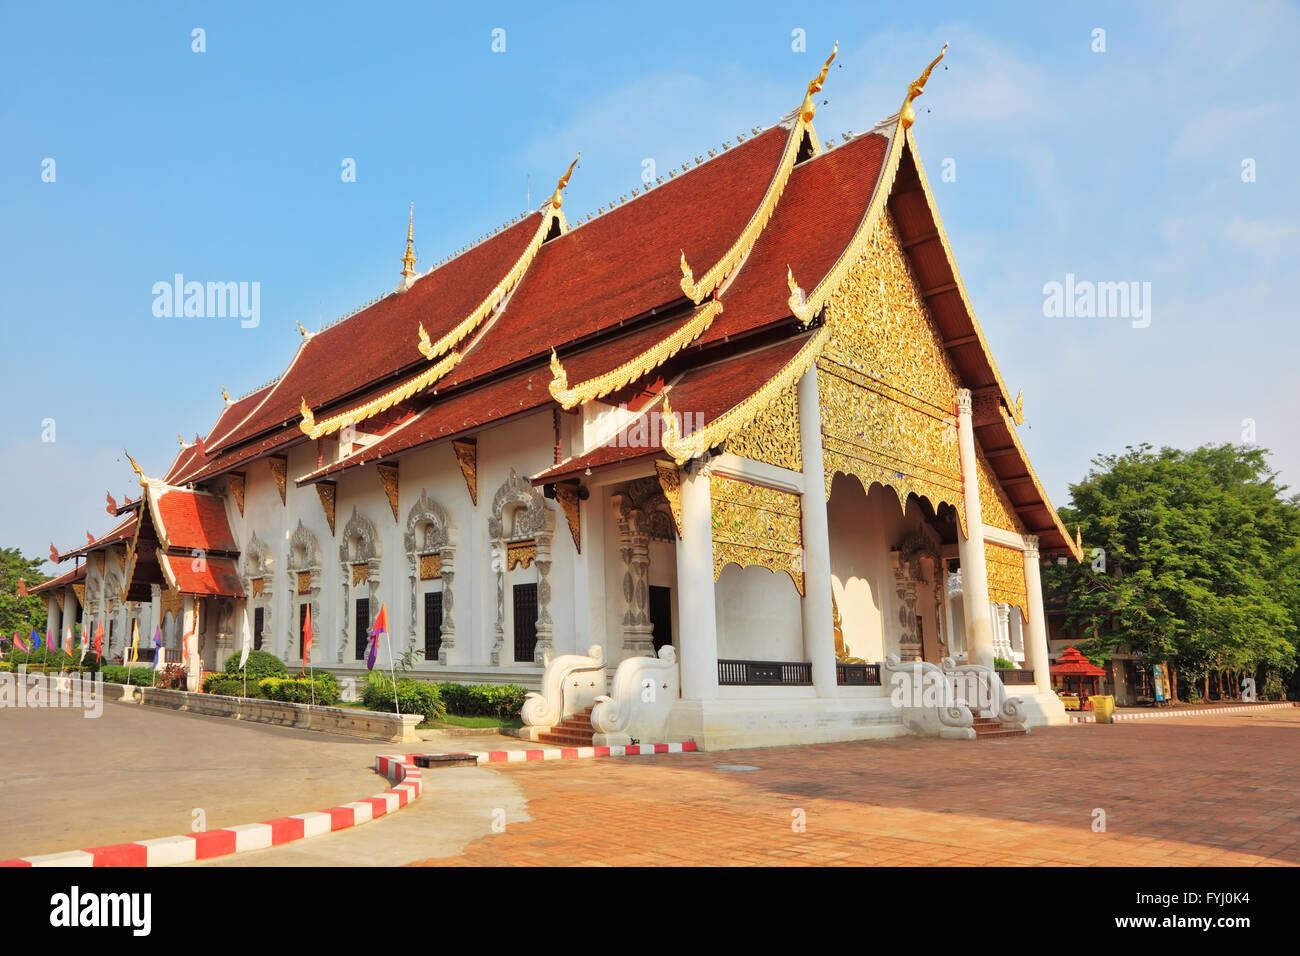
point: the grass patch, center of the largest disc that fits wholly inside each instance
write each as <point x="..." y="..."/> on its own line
<point x="455" y="720"/>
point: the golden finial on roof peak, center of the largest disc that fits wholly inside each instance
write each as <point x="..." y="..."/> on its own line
<point x="809" y="108"/>
<point x="225" y="395"/>
<point x="557" y="198"/>
<point x="409" y="260"/>
<point x="180" y="439"/>
<point x="301" y="331"/>
<point x="907" y="116"/>
<point x="308" y="419"/>
<point x="1018" y="413"/>
<point x="136" y="467"/>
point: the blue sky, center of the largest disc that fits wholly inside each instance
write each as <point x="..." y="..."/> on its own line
<point x="1122" y="165"/>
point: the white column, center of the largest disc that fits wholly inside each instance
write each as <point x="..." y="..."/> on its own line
<point x="51" y="614"/>
<point x="698" y="646"/>
<point x="69" y="614"/>
<point x="818" y="615"/>
<point x="974" y="575"/>
<point x="1036" y="627"/>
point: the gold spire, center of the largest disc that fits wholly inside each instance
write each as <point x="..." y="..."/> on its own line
<point x="557" y="199"/>
<point x="809" y="107"/>
<point x="907" y="116"/>
<point x="225" y="395"/>
<point x="138" y="470"/>
<point x="301" y="330"/>
<point x="180" y="439"/>
<point x="409" y="260"/>
<point x="1018" y="414"/>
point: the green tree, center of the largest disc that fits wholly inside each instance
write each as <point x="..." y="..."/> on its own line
<point x="20" y="613"/>
<point x="1190" y="558"/>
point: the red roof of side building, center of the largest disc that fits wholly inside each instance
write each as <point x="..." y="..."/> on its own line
<point x="192" y="520"/>
<point x="216" y="577"/>
<point x="73" y="576"/>
<point x="123" y="532"/>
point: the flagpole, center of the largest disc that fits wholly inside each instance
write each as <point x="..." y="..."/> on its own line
<point x="388" y="639"/>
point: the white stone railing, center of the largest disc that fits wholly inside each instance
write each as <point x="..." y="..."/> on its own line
<point x="925" y="696"/>
<point x="641" y="696"/>
<point x="570" y="683"/>
<point x="990" y="696"/>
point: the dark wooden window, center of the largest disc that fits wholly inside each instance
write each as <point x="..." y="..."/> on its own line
<point x="525" y="607"/>
<point x="661" y="615"/>
<point x="302" y="626"/>
<point x="432" y="625"/>
<point x="259" y="621"/>
<point x="362" y="625"/>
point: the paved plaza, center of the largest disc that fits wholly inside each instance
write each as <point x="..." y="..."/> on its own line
<point x="1186" y="791"/>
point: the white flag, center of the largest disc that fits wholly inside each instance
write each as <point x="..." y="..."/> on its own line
<point x="248" y="641"/>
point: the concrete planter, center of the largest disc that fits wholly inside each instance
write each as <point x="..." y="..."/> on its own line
<point x="371" y="725"/>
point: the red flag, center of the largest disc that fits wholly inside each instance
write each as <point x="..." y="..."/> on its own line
<point x="99" y="641"/>
<point x="54" y="553"/>
<point x="22" y="588"/>
<point x="306" y="640"/>
<point x="112" y="505"/>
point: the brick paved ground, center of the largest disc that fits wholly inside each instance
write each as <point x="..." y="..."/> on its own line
<point x="1191" y="792"/>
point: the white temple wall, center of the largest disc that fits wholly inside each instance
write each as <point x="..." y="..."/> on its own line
<point x="759" y="615"/>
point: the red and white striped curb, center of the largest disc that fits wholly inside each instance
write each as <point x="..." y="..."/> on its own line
<point x="188" y="847"/>
<point x="1199" y="712"/>
<point x="632" y="750"/>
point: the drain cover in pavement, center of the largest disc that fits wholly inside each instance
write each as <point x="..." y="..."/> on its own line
<point x="735" y="766"/>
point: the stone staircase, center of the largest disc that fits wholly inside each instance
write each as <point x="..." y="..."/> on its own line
<point x="573" y="731"/>
<point x="986" y="727"/>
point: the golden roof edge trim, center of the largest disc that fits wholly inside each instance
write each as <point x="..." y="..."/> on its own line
<point x="635" y="367"/>
<point x="1075" y="551"/>
<point x="360" y="413"/>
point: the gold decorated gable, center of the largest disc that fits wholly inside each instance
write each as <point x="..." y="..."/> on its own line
<point x="304" y="582"/>
<point x="259" y="586"/>
<point x="887" y="387"/>
<point x="756" y="525"/>
<point x="360" y="573"/>
<point x="1006" y="574"/>
<point x="170" y="602"/>
<point x="773" y="436"/>
<point x="995" y="506"/>
<point x="430" y="567"/>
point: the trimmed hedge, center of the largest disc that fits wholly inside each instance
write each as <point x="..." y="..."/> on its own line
<point x="416" y="697"/>
<point x="141" y="675"/>
<point x="260" y="664"/>
<point x="298" y="690"/>
<point x="482" y="700"/>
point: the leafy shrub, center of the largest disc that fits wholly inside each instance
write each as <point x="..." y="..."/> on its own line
<point x="172" y="677"/>
<point x="298" y="690"/>
<point x="140" y="676"/>
<point x="260" y="664"/>
<point x="6" y="666"/>
<point x="415" y="697"/>
<point x="482" y="700"/>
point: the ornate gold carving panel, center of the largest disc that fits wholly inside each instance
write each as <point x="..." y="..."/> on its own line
<point x="879" y="434"/>
<point x="326" y="489"/>
<point x="388" y="477"/>
<point x="237" y="490"/>
<point x="520" y="554"/>
<point x="756" y="525"/>
<point x="773" y="437"/>
<point x="360" y="573"/>
<point x="995" y="507"/>
<point x="467" y="457"/>
<point x="279" y="471"/>
<point x="670" y="483"/>
<point x="259" y="586"/>
<point x="170" y="602"/>
<point x="880" y="325"/>
<point x="567" y="496"/>
<point x="304" y="582"/>
<point x="1006" y="573"/>
<point x="430" y="567"/>
<point x="80" y="591"/>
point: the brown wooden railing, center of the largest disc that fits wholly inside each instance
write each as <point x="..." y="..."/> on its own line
<point x="1024" y="675"/>
<point x="786" y="673"/>
<point x="861" y="675"/>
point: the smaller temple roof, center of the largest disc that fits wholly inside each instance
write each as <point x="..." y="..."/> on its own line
<point x="74" y="576"/>
<point x="122" y="533"/>
<point x="193" y="520"/>
<point x="1073" y="663"/>
<point x="212" y="577"/>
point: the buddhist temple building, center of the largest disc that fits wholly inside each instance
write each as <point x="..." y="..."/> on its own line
<point x="741" y="431"/>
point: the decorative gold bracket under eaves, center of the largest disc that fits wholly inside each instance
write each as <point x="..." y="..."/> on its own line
<point x="670" y="482"/>
<point x="237" y="490"/>
<point x="566" y="494"/>
<point x="280" y="472"/>
<point x="327" y="490"/>
<point x="466" y="450"/>
<point x="388" y="478"/>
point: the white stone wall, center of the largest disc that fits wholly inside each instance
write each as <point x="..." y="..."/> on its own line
<point x="759" y="615"/>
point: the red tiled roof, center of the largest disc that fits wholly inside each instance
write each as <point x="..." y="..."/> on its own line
<point x="210" y="467"/>
<point x="699" y="397"/>
<point x="383" y="339"/>
<point x="819" y="213"/>
<point x="63" y="580"/>
<point x="626" y="262"/>
<point x="210" y="577"/>
<point x="192" y="520"/>
<point x="122" y="532"/>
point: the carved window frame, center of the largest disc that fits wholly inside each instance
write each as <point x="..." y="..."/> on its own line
<point x="429" y="531"/>
<point x="520" y="513"/>
<point x="369" y="552"/>
<point x="302" y="538"/>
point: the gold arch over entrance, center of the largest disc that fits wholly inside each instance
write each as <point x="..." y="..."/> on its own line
<point x="756" y="525"/>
